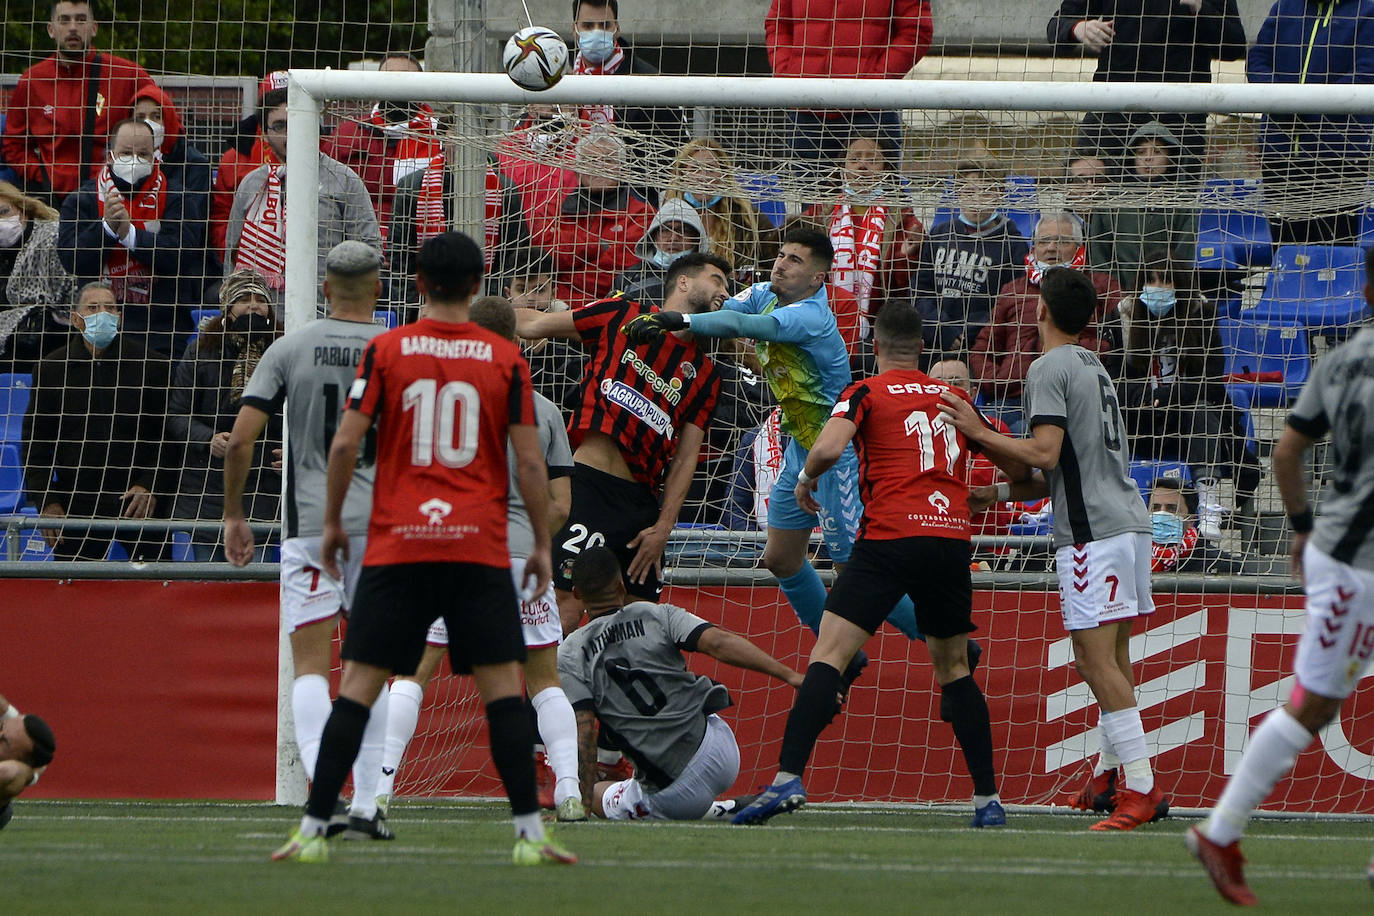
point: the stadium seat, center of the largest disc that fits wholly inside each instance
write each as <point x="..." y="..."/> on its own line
<point x="1145" y="473"/>
<point x="385" y="318"/>
<point x="14" y="403"/>
<point x="181" y="547"/>
<point x="1232" y="229"/>
<point x="200" y="316"/>
<point x="1317" y="286"/>
<point x="32" y="547"/>
<point x="766" y="192"/>
<point x="1022" y="192"/>
<point x="11" y="479"/>
<point x="1266" y="364"/>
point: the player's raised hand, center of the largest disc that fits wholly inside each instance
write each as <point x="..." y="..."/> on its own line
<point x="959" y="412"/>
<point x="333" y="547"/>
<point x="648" y="547"/>
<point x="538" y="575"/>
<point x="238" y="541"/>
<point x="648" y="328"/>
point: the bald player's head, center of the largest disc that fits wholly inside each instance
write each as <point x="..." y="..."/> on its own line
<point x="352" y="277"/>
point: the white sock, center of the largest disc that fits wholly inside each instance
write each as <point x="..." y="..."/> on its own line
<point x="982" y="801"/>
<point x="529" y="826"/>
<point x="558" y="728"/>
<point x="313" y="826"/>
<point x="310" y="707"/>
<point x="367" y="768"/>
<point x="608" y="757"/>
<point x="1274" y="747"/>
<point x="1127" y="735"/>
<point x="403" y="715"/>
<point x="1106" y="753"/>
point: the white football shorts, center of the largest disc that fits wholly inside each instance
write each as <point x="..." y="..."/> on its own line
<point x="1338" y="639"/>
<point x="1104" y="581"/>
<point x="308" y="593"/>
<point x="538" y="618"/>
<point x="711" y="771"/>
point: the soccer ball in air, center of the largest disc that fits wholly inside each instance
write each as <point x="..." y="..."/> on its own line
<point x="535" y="58"/>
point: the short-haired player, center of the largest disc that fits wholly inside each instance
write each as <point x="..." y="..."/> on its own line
<point x="1101" y="531"/>
<point x="913" y="541"/>
<point x="1333" y="556"/>
<point x="445" y="397"/>
<point x="625" y="670"/>
<point x="27" y="747"/>
<point x="308" y="373"/>
<point x="539" y="620"/>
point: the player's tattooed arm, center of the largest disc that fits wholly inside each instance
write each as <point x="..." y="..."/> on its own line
<point x="586" y="755"/>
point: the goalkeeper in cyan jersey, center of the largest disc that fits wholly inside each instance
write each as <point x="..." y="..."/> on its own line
<point x="806" y="364"/>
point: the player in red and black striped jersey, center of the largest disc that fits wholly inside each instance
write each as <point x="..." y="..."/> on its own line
<point x="637" y="429"/>
<point x="913" y="540"/>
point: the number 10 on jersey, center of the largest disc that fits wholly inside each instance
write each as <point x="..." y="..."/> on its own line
<point x="444" y="422"/>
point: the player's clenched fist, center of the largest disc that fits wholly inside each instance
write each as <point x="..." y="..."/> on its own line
<point x="648" y="328"/>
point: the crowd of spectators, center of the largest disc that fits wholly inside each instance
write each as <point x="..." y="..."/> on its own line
<point x="119" y="229"/>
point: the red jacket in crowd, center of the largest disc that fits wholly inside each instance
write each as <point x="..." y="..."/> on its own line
<point x="1010" y="342"/>
<point x="46" y="118"/>
<point x="878" y="39"/>
<point x="592" y="239"/>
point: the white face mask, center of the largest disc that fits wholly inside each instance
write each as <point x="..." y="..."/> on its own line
<point x="11" y="231"/>
<point x="159" y="134"/>
<point x="131" y="169"/>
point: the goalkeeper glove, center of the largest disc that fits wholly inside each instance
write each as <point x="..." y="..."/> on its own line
<point x="648" y="328"/>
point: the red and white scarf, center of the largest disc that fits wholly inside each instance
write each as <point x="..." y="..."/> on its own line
<point x="1166" y="557"/>
<point x="262" y="242"/>
<point x="768" y="455"/>
<point x="858" y="250"/>
<point x="1035" y="270"/>
<point x="130" y="279"/>
<point x="598" y="114"/>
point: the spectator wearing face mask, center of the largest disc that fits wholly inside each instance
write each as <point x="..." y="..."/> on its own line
<point x="675" y="231"/>
<point x="602" y="49"/>
<point x="394" y="140"/>
<point x="206" y="390"/>
<point x="703" y="174"/>
<point x="36" y="292"/>
<point x="1173" y="399"/>
<point x="1175" y="544"/>
<point x="93" y="433"/>
<point x="1005" y="348"/>
<point x="127" y="226"/>
<point x="247" y="149"/>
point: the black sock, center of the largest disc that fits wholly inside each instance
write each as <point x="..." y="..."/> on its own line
<point x="343" y="735"/>
<point x="811" y="713"/>
<point x="962" y="705"/>
<point x="512" y="750"/>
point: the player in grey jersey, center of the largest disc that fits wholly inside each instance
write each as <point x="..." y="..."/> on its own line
<point x="1334" y="558"/>
<point x="625" y="668"/>
<point x="1101" y="532"/>
<point x="310" y="370"/>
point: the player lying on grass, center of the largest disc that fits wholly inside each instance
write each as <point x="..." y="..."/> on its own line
<point x="445" y="396"/>
<point x="1101" y="530"/>
<point x="625" y="670"/>
<point x="26" y="748"/>
<point x="539" y="619"/>
<point x="807" y="366"/>
<point x="1334" y="559"/>
<point x="912" y="542"/>
<point x="308" y="373"/>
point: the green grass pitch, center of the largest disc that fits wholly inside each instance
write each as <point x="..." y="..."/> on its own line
<point x="100" y="857"/>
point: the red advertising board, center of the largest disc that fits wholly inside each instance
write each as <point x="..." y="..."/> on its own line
<point x="169" y="690"/>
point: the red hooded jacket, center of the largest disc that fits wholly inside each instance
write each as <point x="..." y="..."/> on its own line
<point x="46" y="118"/>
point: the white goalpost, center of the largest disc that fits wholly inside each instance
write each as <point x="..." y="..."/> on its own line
<point x="1219" y="652"/>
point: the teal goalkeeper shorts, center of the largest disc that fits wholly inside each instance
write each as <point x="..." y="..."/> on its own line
<point x="837" y="491"/>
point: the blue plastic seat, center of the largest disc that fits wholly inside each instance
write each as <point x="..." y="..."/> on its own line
<point x="1145" y="473"/>
<point x="199" y="316"/>
<point x="11" y="479"/>
<point x="1232" y="229"/>
<point x="1320" y="287"/>
<point x="1251" y="346"/>
<point x="15" y="388"/>
<point x="766" y="193"/>
<point x="385" y="318"/>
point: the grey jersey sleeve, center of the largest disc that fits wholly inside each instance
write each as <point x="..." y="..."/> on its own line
<point x="1308" y="414"/>
<point x="553" y="436"/>
<point x="1047" y="387"/>
<point x="573" y="673"/>
<point x="266" y="388"/>
<point x="682" y="626"/>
